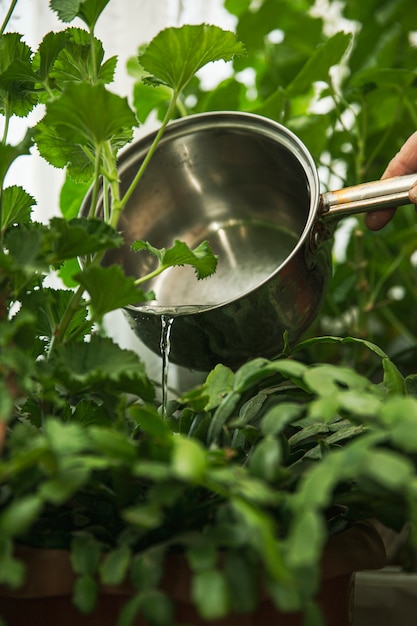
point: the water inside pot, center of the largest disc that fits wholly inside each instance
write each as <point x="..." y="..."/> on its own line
<point x="249" y="251"/>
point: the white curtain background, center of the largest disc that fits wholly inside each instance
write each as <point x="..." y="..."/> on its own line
<point x="124" y="25"/>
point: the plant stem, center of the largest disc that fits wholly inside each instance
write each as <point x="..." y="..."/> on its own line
<point x="118" y="207"/>
<point x="8" y="16"/>
<point x="66" y="320"/>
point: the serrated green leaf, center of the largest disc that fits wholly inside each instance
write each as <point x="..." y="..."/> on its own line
<point x="200" y="258"/>
<point x="17" y="205"/>
<point x="87" y="116"/>
<point x="265" y="460"/>
<point x="109" y="288"/>
<point x="176" y="54"/>
<point x="100" y="362"/>
<point x="80" y="59"/>
<point x="78" y="237"/>
<point x="87" y="10"/>
<point x="17" y="95"/>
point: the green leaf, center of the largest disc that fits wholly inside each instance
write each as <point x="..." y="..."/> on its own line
<point x="78" y="237"/>
<point x="389" y="469"/>
<point x="223" y="412"/>
<point x="393" y="379"/>
<point x="210" y="593"/>
<point x="241" y="578"/>
<point x="80" y="60"/>
<point x="279" y="416"/>
<point x="156" y="607"/>
<point x="85" y="554"/>
<point x="317" y="67"/>
<point x="176" y="54"/>
<point x="261" y="369"/>
<point x="71" y="197"/>
<point x="217" y="385"/>
<point x="16" y="205"/>
<point x="100" y="362"/>
<point x="305" y="542"/>
<point x="87" y="10"/>
<point x="20" y="515"/>
<point x="151" y="422"/>
<point x="85" y="594"/>
<point x="189" y="460"/>
<point x="201" y="258"/>
<point x="114" y="567"/>
<point x="84" y="116"/>
<point x="109" y="288"/>
<point x="265" y="460"/>
<point x="17" y="95"/>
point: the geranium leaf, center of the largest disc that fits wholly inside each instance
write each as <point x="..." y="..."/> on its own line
<point x="100" y="362"/>
<point x="200" y="258"/>
<point x="176" y="54"/>
<point x="78" y="237"/>
<point x="87" y="10"/>
<point x="17" y="95"/>
<point x="17" y="204"/>
<point x="109" y="288"/>
<point x="81" y="60"/>
<point x="84" y="115"/>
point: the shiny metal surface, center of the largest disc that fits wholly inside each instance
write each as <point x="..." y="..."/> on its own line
<point x="249" y="187"/>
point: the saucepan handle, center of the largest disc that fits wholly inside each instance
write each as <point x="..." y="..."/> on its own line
<point x="379" y="194"/>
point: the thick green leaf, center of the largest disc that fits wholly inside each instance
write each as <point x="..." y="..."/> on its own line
<point x="20" y="515"/>
<point x="79" y="237"/>
<point x="306" y="540"/>
<point x="280" y="416"/>
<point x="114" y="567"/>
<point x="265" y="461"/>
<point x="317" y="67"/>
<point x="189" y="460"/>
<point x="210" y="593"/>
<point x="85" y="554"/>
<point x="85" y="594"/>
<point x="176" y="54"/>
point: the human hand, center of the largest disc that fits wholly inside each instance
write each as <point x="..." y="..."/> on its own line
<point x="404" y="162"/>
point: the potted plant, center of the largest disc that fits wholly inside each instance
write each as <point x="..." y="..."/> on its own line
<point x="235" y="496"/>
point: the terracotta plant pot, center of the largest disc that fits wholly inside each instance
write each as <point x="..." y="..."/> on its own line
<point x="45" y="599"/>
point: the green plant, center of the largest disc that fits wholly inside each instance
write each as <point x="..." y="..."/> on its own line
<point x="261" y="464"/>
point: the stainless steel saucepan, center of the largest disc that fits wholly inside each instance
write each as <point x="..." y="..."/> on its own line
<point x="250" y="187"/>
